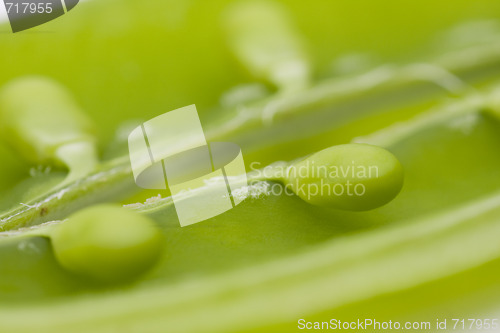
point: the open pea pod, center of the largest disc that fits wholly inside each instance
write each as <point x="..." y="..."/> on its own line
<point x="328" y="113"/>
<point x="247" y="261"/>
<point x="278" y="257"/>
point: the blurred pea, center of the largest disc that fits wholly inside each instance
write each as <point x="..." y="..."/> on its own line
<point x="263" y="38"/>
<point x="107" y="243"/>
<point x="42" y="122"/>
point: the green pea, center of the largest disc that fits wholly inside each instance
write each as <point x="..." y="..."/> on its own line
<point x="41" y="121"/>
<point x="107" y="243"/>
<point x="264" y="39"/>
<point x="353" y="177"/>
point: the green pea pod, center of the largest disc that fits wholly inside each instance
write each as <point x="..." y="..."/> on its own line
<point x="41" y="121"/>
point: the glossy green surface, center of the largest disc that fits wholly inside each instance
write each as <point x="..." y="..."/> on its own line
<point x="431" y="252"/>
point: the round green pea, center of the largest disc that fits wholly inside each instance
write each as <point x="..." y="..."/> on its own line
<point x="38" y="115"/>
<point x="354" y="177"/>
<point x="107" y="243"/>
